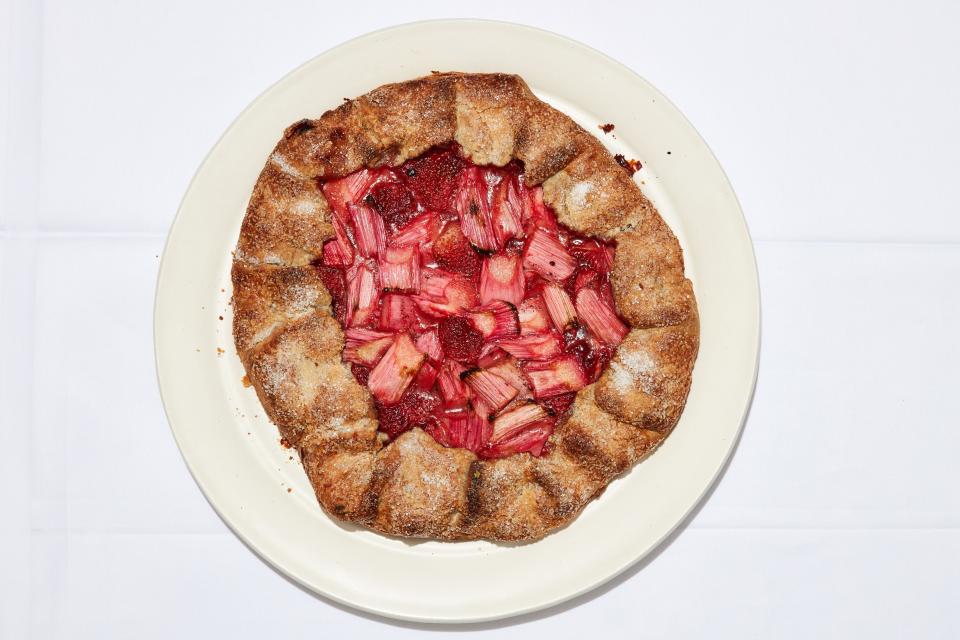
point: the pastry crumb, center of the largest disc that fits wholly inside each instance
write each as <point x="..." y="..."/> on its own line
<point x="245" y="381"/>
<point x="631" y="166"/>
<point x="607" y="128"/>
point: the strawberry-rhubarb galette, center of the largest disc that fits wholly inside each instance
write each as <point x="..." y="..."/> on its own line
<point x="460" y="310"/>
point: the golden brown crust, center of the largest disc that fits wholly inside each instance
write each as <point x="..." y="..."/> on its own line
<point x="594" y="195"/>
<point x="287" y="220"/>
<point x="648" y="379"/>
<point x="301" y="381"/>
<point x="267" y="298"/>
<point x="292" y="346"/>
<point x="647" y="277"/>
<point x="602" y="444"/>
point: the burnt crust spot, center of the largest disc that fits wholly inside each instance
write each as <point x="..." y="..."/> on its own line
<point x="299" y="127"/>
<point x="474" y="502"/>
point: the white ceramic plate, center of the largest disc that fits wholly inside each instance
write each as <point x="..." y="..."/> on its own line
<point x="263" y="495"/>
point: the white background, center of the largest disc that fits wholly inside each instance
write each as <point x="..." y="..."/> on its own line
<point x="839" y="126"/>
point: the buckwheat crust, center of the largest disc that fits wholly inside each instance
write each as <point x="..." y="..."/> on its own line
<point x="291" y="344"/>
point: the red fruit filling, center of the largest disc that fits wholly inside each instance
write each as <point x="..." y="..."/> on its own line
<point x="470" y="312"/>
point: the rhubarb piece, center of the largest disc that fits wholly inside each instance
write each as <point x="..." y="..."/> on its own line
<point x="490" y="354"/>
<point x="495" y="320"/>
<point x="508" y="369"/>
<point x="531" y="440"/>
<point x="417" y="232"/>
<point x="600" y="318"/>
<point x="335" y="254"/>
<point x="476" y="219"/>
<point x="365" y="346"/>
<point x="400" y="269"/>
<point x="433" y="178"/>
<point x="480" y="407"/>
<point x="553" y="377"/>
<point x="368" y="230"/>
<point x="459" y="339"/>
<point x="559" y="306"/>
<point x="344" y="238"/>
<point x="452" y="388"/>
<point x="533" y="316"/>
<point x="596" y="254"/>
<point x="489" y="388"/>
<point x="394" y="202"/>
<point x="362" y="294"/>
<point x="532" y="347"/>
<point x="429" y="343"/>
<point x="501" y="279"/>
<point x="443" y="294"/>
<point x="396" y="369"/>
<point x="507" y="211"/>
<point x="426" y="376"/>
<point x="397" y="312"/>
<point x="510" y="422"/>
<point x="454" y="253"/>
<point x="349" y="190"/>
<point x="463" y="428"/>
<point x="536" y="215"/>
<point x="584" y="278"/>
<point x="545" y="255"/>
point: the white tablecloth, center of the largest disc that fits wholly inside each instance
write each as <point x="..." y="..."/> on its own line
<point x="838" y="126"/>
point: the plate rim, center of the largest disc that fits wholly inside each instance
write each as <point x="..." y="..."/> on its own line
<point x="715" y="474"/>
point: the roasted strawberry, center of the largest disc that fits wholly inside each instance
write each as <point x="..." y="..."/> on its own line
<point x="459" y="339"/>
<point x="454" y="253"/>
<point x="433" y="178"/>
<point x="394" y="202"/>
<point x="416" y="408"/>
<point x="558" y="405"/>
